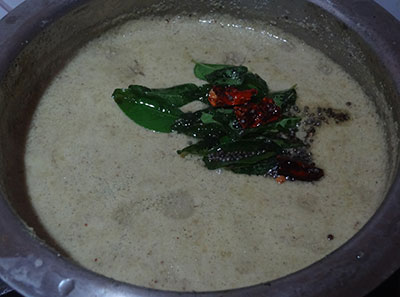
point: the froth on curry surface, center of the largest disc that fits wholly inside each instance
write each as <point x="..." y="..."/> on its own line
<point x="120" y="200"/>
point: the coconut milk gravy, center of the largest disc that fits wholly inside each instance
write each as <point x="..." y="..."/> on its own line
<point x="120" y="201"/>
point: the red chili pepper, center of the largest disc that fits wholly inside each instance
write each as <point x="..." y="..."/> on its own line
<point x="251" y="115"/>
<point x="229" y="96"/>
<point x="298" y="170"/>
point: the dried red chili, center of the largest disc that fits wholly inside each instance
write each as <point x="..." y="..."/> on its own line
<point x="299" y="170"/>
<point x="251" y="115"/>
<point x="229" y="96"/>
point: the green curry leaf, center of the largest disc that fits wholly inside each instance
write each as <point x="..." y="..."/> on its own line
<point x="178" y="95"/>
<point x="285" y="123"/>
<point x="229" y="76"/>
<point x="207" y="118"/>
<point x="254" y="81"/>
<point x="147" y="111"/>
<point x="201" y="70"/>
<point x="285" y="99"/>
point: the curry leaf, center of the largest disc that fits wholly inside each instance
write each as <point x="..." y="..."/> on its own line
<point x="288" y="143"/>
<point x="260" y="168"/>
<point x="225" y="110"/>
<point x="285" y="123"/>
<point x="254" y="81"/>
<point x="202" y="93"/>
<point x="201" y="148"/>
<point x="191" y="124"/>
<point x="240" y="153"/>
<point x="225" y="140"/>
<point x="201" y="70"/>
<point x="285" y="99"/>
<point x="177" y="95"/>
<point x="229" y="76"/>
<point x="146" y="110"/>
<point x="207" y="118"/>
<point x="222" y="116"/>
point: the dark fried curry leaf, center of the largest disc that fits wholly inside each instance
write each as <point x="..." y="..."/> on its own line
<point x="240" y="153"/>
<point x="200" y="148"/>
<point x="260" y="168"/>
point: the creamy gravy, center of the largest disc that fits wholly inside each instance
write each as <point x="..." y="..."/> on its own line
<point x="120" y="200"/>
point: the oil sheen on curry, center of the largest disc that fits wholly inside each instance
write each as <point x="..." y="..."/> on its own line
<point x="119" y="200"/>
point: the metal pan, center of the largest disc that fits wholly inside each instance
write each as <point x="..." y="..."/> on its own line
<point x="38" y="37"/>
